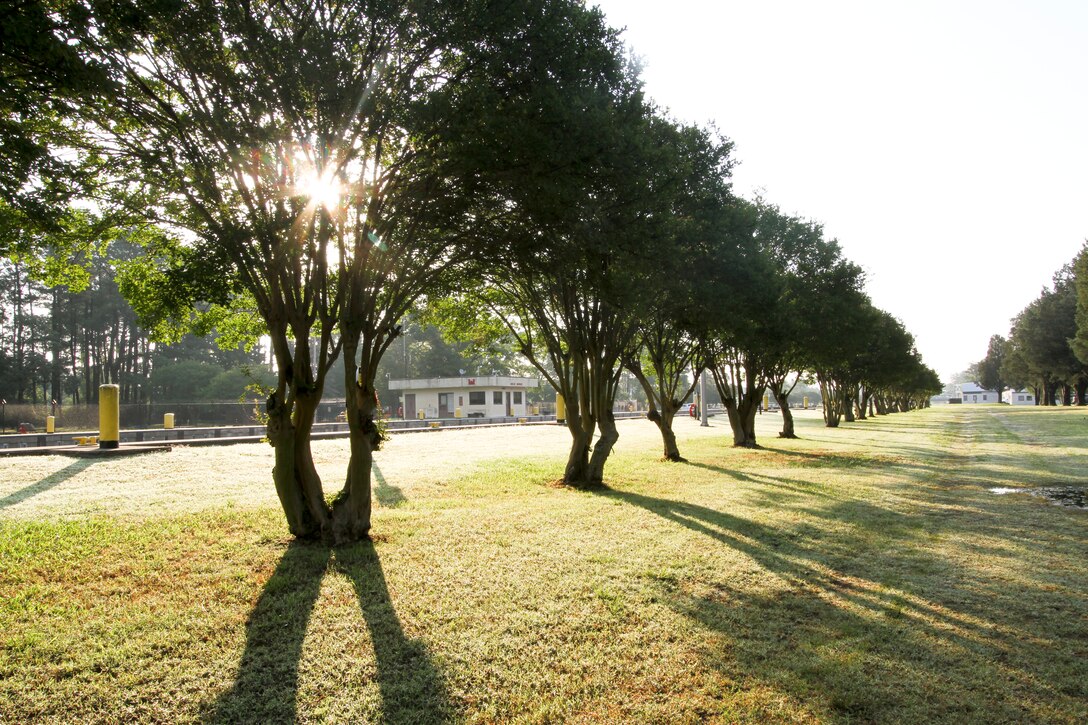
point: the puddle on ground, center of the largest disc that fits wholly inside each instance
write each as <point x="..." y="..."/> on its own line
<point x="1071" y="496"/>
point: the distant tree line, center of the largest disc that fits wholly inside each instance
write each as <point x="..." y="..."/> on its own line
<point x="318" y="174"/>
<point x="60" y="341"/>
<point x="1046" y="350"/>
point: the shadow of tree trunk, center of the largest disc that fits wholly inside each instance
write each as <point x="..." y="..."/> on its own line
<point x="266" y="687"/>
<point x="53" y="479"/>
<point x="412" y="689"/>
<point x="387" y="495"/>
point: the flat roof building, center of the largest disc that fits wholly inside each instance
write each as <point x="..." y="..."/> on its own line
<point x="1018" y="397"/>
<point x="974" y="393"/>
<point x="491" y="396"/>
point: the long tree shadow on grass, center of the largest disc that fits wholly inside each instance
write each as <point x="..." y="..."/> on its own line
<point x="801" y="487"/>
<point x="266" y="686"/>
<point x="412" y="689"/>
<point x="50" y="481"/>
<point x="835" y="621"/>
<point x="806" y="559"/>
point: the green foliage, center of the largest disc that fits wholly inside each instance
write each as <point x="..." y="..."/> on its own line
<point x="183" y="381"/>
<point x="989" y="369"/>
<point x="191" y="380"/>
<point x="1080" y="284"/>
<point x="481" y="340"/>
<point x="43" y="83"/>
<point x="466" y="319"/>
<point x="58" y="254"/>
<point x="1040" y="348"/>
<point x="236" y="324"/>
<point x="173" y="289"/>
<point x="233" y="384"/>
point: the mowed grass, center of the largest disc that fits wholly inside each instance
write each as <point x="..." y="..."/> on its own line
<point x="860" y="574"/>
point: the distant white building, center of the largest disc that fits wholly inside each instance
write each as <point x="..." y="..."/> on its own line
<point x="1017" y="397"/>
<point x="972" y="393"/>
<point x="493" y="396"/>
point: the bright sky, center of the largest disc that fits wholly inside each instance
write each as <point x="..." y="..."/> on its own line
<point x="944" y="144"/>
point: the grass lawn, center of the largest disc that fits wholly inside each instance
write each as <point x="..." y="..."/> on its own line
<point x="860" y="574"/>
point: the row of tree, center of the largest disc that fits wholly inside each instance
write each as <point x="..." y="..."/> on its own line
<point x="756" y="297"/>
<point x="314" y="172"/>
<point x="1046" y="350"/>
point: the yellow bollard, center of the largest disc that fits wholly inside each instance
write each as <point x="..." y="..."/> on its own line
<point x="805" y="402"/>
<point x="50" y="424"/>
<point x="560" y="409"/>
<point x="109" y="416"/>
<point x="766" y="402"/>
<point x="167" y="420"/>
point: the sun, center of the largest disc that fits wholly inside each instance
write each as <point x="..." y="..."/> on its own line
<point x="323" y="190"/>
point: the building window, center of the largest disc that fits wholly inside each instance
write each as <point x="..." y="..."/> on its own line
<point x="496" y="398"/>
<point x="476" y="397"/>
<point x="517" y="397"/>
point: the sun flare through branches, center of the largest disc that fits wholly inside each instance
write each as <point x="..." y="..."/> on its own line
<point x="323" y="190"/>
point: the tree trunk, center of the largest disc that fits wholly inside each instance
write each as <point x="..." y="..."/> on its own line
<point x="577" y="471"/>
<point x="56" y="365"/>
<point x="281" y="434"/>
<point x="741" y="395"/>
<point x="86" y="358"/>
<point x="17" y="337"/>
<point x="832" y="401"/>
<point x="588" y="403"/>
<point x="352" y="509"/>
<point x="663" y="420"/>
<point x="742" y="417"/>
<point x="749" y="420"/>
<point x="861" y="400"/>
<point x="662" y="409"/>
<point x="606" y="424"/>
<point x="783" y="400"/>
<point x="308" y="479"/>
<point x="291" y="409"/>
<point x="848" y="406"/>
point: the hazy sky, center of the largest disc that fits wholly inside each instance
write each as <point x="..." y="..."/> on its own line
<point x="944" y="144"/>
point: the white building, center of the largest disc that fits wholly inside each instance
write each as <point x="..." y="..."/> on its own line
<point x="972" y="393"/>
<point x="1018" y="397"/>
<point x="493" y="396"/>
